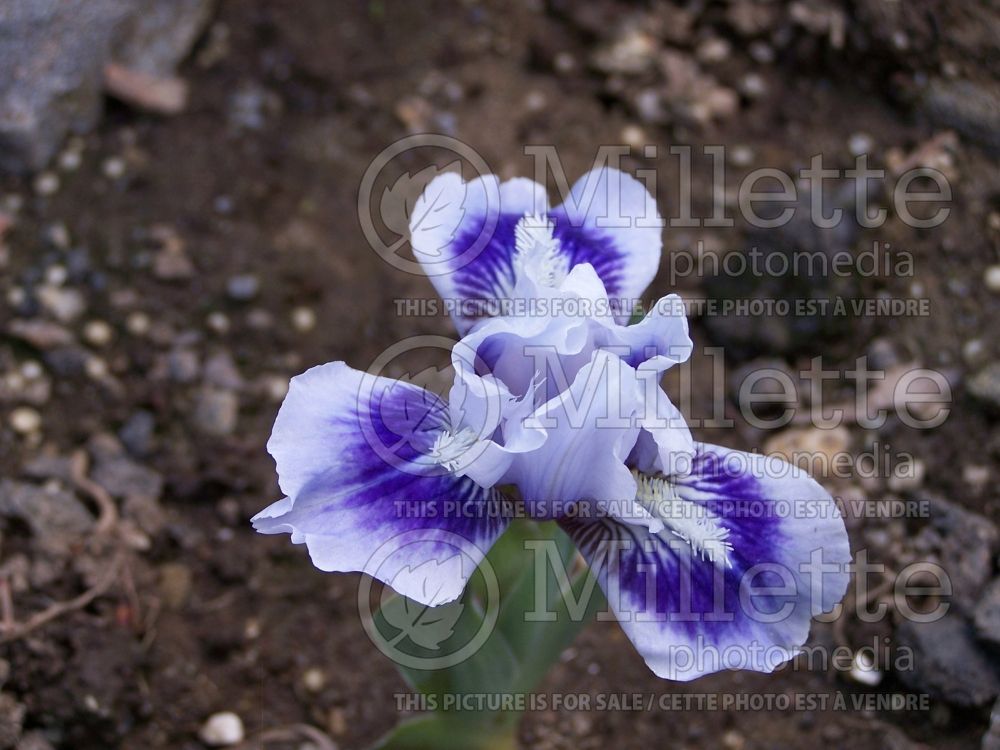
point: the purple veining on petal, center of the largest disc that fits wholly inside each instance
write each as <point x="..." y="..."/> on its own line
<point x="756" y="537"/>
<point x="486" y="276"/>
<point x="582" y="244"/>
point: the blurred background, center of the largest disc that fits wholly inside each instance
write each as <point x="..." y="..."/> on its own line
<point x="179" y="235"/>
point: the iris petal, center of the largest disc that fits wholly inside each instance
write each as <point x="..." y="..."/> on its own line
<point x="689" y="611"/>
<point x="365" y="492"/>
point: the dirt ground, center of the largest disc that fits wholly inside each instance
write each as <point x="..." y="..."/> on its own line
<point x="212" y="255"/>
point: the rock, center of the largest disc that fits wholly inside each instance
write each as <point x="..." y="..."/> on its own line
<point x="984" y="385"/>
<point x="24" y="420"/>
<point x="216" y="412"/>
<point x="986" y="616"/>
<point x="53" y="515"/>
<point x="123" y="477"/>
<point x="242" y="287"/>
<point x="137" y="433"/>
<point x="172" y="264"/>
<point x="313" y="680"/>
<point x="991" y="740"/>
<point x="41" y="334"/>
<point x="803" y="446"/>
<point x="303" y="319"/>
<point x="965" y="544"/>
<point x="992" y="278"/>
<point x="221" y="371"/>
<point x="165" y="95"/>
<point x="947" y="661"/>
<point x="970" y="107"/>
<point x="184" y="365"/>
<point x="156" y="36"/>
<point x="67" y="361"/>
<point x="98" y="333"/>
<point x="146" y="512"/>
<point x="632" y="51"/>
<point x="222" y="730"/>
<point x="46" y="184"/>
<point x="65" y="305"/>
<point x="52" y="53"/>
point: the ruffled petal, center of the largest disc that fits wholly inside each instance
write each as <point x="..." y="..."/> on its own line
<point x="359" y="458"/>
<point x="590" y="429"/>
<point x="610" y="221"/>
<point x="750" y="550"/>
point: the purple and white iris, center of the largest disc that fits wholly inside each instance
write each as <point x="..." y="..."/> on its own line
<point x="710" y="558"/>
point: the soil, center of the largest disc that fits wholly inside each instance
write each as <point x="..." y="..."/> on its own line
<point x="290" y="102"/>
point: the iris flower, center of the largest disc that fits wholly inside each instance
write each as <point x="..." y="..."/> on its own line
<point x="710" y="558"/>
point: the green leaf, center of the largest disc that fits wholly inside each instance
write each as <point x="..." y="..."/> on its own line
<point x="425" y="626"/>
<point x="490" y="667"/>
<point x="564" y="588"/>
<point x="442" y="732"/>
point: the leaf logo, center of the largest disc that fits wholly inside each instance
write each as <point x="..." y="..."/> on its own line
<point x="399" y="202"/>
<point x="427" y="627"/>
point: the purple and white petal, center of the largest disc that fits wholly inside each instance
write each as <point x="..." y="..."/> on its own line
<point x="365" y="466"/>
<point x="463" y="235"/>
<point x="610" y="221"/>
<point x="751" y="549"/>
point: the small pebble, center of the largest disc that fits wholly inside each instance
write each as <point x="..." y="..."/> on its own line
<point x="222" y="730"/>
<point x="314" y="680"/>
<point x="753" y="86"/>
<point x="634" y="137"/>
<point x="535" y="101"/>
<point x="113" y="167"/>
<point x="993" y="278"/>
<point x="863" y="671"/>
<point x="762" y="52"/>
<point x="25" y="420"/>
<point x="138" y="324"/>
<point x="304" y="319"/>
<point x="98" y="333"/>
<point x="218" y="322"/>
<point x="741" y="156"/>
<point x="64" y="304"/>
<point x="96" y="368"/>
<point x="56" y="275"/>
<point x="564" y="62"/>
<point x="216" y="412"/>
<point x="46" y="183"/>
<point x="242" y="287"/>
<point x="32" y="369"/>
<point x="973" y="352"/>
<point x="57" y="235"/>
<point x="276" y="387"/>
<point x="860" y="143"/>
<point x="713" y="50"/>
<point x="70" y="160"/>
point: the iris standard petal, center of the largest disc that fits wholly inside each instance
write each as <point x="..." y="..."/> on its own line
<point x="463" y="234"/>
<point x="610" y="221"/>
